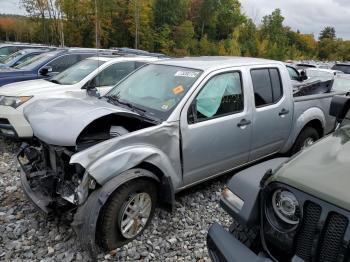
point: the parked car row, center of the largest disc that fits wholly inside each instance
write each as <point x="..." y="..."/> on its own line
<point x="114" y="135"/>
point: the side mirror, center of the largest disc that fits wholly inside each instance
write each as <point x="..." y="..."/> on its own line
<point x="303" y="75"/>
<point x="340" y="106"/>
<point x="192" y="113"/>
<point x="45" y="70"/>
<point x="90" y="84"/>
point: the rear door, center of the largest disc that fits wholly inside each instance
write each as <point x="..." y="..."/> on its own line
<point x="273" y="111"/>
<point x="215" y="127"/>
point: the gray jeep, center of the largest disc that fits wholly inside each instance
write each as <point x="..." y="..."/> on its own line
<point x="294" y="209"/>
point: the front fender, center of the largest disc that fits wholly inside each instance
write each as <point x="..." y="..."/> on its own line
<point x="158" y="146"/>
<point x="114" y="163"/>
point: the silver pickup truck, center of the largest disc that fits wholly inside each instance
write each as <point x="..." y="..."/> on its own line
<point x="169" y="125"/>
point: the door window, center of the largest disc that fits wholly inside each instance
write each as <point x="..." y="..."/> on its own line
<point x="267" y="86"/>
<point x="114" y="73"/>
<point x="222" y="95"/>
<point x="63" y="62"/>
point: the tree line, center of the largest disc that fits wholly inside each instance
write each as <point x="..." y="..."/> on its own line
<point x="173" y="27"/>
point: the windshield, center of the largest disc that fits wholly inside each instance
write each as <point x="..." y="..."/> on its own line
<point x="341" y="83"/>
<point x="11" y="57"/>
<point x="35" y="61"/>
<point x="77" y="72"/>
<point x="156" y="89"/>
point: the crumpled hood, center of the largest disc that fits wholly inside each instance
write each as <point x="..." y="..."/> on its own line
<point x="322" y="170"/>
<point x="60" y="121"/>
<point x="26" y="88"/>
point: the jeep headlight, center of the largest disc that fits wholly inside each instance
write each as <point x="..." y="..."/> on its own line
<point x="286" y="206"/>
<point x="13" y="101"/>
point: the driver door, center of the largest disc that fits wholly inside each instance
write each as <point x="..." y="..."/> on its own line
<point x="216" y="129"/>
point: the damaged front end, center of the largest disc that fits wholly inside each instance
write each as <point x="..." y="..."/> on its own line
<point x="50" y="182"/>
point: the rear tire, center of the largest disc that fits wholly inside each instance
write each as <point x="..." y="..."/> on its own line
<point x="133" y="203"/>
<point x="248" y="236"/>
<point x="307" y="137"/>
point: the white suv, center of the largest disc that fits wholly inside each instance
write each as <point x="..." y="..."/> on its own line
<point x="95" y="73"/>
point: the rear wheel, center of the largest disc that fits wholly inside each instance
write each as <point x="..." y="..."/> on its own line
<point x="306" y="138"/>
<point x="127" y="213"/>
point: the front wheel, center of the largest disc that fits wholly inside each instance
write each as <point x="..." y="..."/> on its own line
<point x="127" y="213"/>
<point x="248" y="236"/>
<point x="306" y="138"/>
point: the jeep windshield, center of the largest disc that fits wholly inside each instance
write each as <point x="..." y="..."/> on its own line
<point x="154" y="90"/>
<point x="77" y="72"/>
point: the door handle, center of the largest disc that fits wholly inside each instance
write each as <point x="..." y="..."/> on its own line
<point x="243" y="123"/>
<point x="283" y="112"/>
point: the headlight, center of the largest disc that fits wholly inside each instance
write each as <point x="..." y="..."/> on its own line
<point x="13" y="101"/>
<point x="286" y="206"/>
<point x="235" y="202"/>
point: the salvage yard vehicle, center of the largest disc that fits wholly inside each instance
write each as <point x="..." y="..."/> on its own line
<point x="8" y="49"/>
<point x="46" y="65"/>
<point x="291" y="209"/>
<point x="20" y="57"/>
<point x="92" y="76"/>
<point x="341" y="83"/>
<point x="169" y="125"/>
<point x="344" y="67"/>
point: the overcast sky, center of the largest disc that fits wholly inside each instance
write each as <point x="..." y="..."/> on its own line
<point x="307" y="16"/>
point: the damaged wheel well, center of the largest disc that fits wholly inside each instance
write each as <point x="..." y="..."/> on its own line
<point x="166" y="191"/>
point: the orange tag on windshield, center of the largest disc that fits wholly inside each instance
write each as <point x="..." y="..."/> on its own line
<point x="178" y="90"/>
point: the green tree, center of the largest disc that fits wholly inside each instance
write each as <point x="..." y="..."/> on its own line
<point x="327" y="33"/>
<point x="170" y="12"/>
<point x="183" y="34"/>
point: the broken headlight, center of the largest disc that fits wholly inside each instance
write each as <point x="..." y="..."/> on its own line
<point x="13" y="101"/>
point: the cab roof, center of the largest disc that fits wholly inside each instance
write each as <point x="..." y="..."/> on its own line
<point x="215" y="62"/>
<point x="124" y="58"/>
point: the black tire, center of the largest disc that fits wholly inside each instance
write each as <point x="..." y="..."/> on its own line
<point x="248" y="236"/>
<point x="108" y="233"/>
<point x="306" y="133"/>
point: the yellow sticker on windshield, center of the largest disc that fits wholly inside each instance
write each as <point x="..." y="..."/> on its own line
<point x="178" y="90"/>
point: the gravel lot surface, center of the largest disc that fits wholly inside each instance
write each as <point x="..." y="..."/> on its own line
<point x="25" y="234"/>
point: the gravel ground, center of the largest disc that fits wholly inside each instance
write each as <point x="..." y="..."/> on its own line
<point x="25" y="234"/>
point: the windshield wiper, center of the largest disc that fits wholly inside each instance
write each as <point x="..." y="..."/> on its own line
<point x="55" y="81"/>
<point x="133" y="108"/>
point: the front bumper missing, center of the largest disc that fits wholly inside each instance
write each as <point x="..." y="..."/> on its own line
<point x="224" y="247"/>
<point x="40" y="201"/>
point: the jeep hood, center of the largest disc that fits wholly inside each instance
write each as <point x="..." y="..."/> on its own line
<point x="322" y="170"/>
<point x="60" y="121"/>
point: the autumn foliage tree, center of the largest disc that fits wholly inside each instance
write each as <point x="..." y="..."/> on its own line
<point x="173" y="27"/>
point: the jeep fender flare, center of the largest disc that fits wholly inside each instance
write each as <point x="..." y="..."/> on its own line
<point x="86" y="217"/>
<point x="246" y="186"/>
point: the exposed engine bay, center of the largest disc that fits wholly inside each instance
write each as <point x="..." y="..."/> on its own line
<point x="108" y="127"/>
<point x="58" y="184"/>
